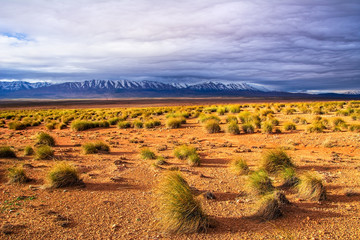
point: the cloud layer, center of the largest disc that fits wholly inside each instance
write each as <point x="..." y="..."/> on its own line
<point x="288" y="45"/>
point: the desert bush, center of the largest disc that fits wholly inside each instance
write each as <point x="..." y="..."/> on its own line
<point x="267" y="127"/>
<point x="289" y="126"/>
<point x="17" y="175"/>
<point x="354" y="127"/>
<point x="15" y="125"/>
<point x="234" y="109"/>
<point x="7" y="152"/>
<point x="146" y="153"/>
<point x="124" y="124"/>
<point x="138" y="124"/>
<point x="96" y="147"/>
<point x="245" y="117"/>
<point x="43" y="138"/>
<point x="260" y="183"/>
<point x="50" y="126"/>
<point x="61" y="126"/>
<point x="289" y="177"/>
<point x="160" y="160"/>
<point x="173" y="123"/>
<point x="233" y="128"/>
<point x="212" y="126"/>
<point x="204" y="118"/>
<point x="268" y="208"/>
<point x="194" y="160"/>
<point x="289" y="111"/>
<point x="184" y="151"/>
<point x="239" y="166"/>
<point x="311" y="187"/>
<point x="81" y="125"/>
<point x="44" y="152"/>
<point x="248" y="128"/>
<point x="274" y="121"/>
<point x="231" y="118"/>
<point x="317" y="127"/>
<point x="221" y="111"/>
<point x="28" y="151"/>
<point x="179" y="211"/>
<point x="64" y="175"/>
<point x="276" y="160"/>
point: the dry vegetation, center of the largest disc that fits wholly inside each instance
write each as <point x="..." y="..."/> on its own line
<point x="249" y="171"/>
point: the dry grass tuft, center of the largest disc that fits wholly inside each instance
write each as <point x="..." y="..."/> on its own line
<point x="64" y="175"/>
<point x="311" y="187"/>
<point x="276" y="160"/>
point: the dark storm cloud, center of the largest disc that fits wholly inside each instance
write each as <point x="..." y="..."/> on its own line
<point x="288" y="45"/>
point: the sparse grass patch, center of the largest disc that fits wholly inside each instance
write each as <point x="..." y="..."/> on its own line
<point x="17" y="175"/>
<point x="179" y="211"/>
<point x="28" y="151"/>
<point x="146" y="154"/>
<point x="311" y="187"/>
<point x="239" y="166"/>
<point x="43" y="138"/>
<point x="260" y="183"/>
<point x="233" y="128"/>
<point x="7" y="152"/>
<point x="44" y="152"/>
<point x="276" y="160"/>
<point x="212" y="126"/>
<point x="64" y="175"/>
<point x="184" y="151"/>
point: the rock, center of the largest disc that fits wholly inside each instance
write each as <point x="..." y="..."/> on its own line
<point x="209" y="195"/>
<point x="7" y="228"/>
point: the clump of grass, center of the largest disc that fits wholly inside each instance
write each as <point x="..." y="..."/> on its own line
<point x="96" y="147"/>
<point x="17" y="175"/>
<point x="179" y="211"/>
<point x="64" y="175"/>
<point x="160" y="161"/>
<point x="289" y="126"/>
<point x="43" y="138"/>
<point x="124" y="124"/>
<point x="81" y="125"/>
<point x="138" y="124"/>
<point x="184" y="151"/>
<point x="247" y="128"/>
<point x="268" y="208"/>
<point x="173" y="123"/>
<point x="267" y="127"/>
<point x="276" y="160"/>
<point x="239" y="166"/>
<point x="146" y="153"/>
<point x="317" y="127"/>
<point x="233" y="128"/>
<point x="28" y="151"/>
<point x="212" y="126"/>
<point x="7" y="152"/>
<point x="15" y="125"/>
<point x="260" y="183"/>
<point x="44" y="152"/>
<point x="50" y="126"/>
<point x="289" y="178"/>
<point x="311" y="187"/>
<point x="231" y="118"/>
<point x="194" y="160"/>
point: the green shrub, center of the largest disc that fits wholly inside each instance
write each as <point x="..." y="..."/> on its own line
<point x="179" y="211"/>
<point x="6" y="152"/>
<point x="289" y="177"/>
<point x="96" y="147"/>
<point x="173" y="123"/>
<point x="311" y="187"/>
<point x="231" y="118"/>
<point x="204" y="118"/>
<point x="44" y="152"/>
<point x="212" y="126"/>
<point x="276" y="160"/>
<point x="245" y="117"/>
<point x="184" y="151"/>
<point x="28" y="151"/>
<point x="146" y="153"/>
<point x="268" y="207"/>
<point x="289" y="126"/>
<point x="50" y="126"/>
<point x="61" y="126"/>
<point x="267" y="127"/>
<point x="43" y="138"/>
<point x="64" y="175"/>
<point x="17" y="175"/>
<point x="16" y="125"/>
<point x="248" y="128"/>
<point x="239" y="166"/>
<point x="260" y="183"/>
<point x="124" y="124"/>
<point x="194" y="159"/>
<point x="233" y="128"/>
<point x="317" y="127"/>
<point x="138" y="124"/>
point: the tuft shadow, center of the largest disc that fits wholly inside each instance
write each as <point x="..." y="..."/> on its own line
<point x="225" y="196"/>
<point x="214" y="162"/>
<point x="317" y="168"/>
<point x="111" y="187"/>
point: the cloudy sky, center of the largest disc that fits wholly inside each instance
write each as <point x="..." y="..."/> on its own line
<point x="294" y="45"/>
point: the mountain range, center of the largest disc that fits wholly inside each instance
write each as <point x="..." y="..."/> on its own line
<point x="127" y="88"/>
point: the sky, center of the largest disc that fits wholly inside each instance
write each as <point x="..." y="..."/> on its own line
<point x="287" y="45"/>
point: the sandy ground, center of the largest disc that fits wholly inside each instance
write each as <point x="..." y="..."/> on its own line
<point x="118" y="201"/>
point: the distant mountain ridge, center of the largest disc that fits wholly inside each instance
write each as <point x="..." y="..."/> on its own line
<point x="137" y="89"/>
